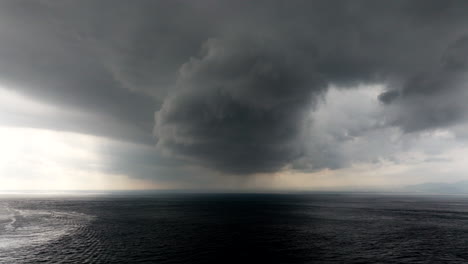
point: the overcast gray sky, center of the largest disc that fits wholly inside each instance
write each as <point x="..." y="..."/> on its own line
<point x="232" y="94"/>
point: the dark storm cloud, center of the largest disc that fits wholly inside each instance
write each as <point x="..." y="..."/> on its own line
<point x="41" y="56"/>
<point x="232" y="81"/>
<point x="389" y="96"/>
<point x="433" y="100"/>
<point x="238" y="107"/>
<point x="437" y="96"/>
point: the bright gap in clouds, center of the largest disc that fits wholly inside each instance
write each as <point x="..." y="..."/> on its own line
<point x="35" y="159"/>
<point x="40" y="159"/>
<point x="350" y="128"/>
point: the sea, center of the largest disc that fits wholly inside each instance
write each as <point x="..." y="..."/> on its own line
<point x="234" y="228"/>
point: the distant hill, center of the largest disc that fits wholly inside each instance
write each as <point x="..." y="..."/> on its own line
<point x="439" y="187"/>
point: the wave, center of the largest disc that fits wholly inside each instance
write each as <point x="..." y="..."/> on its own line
<point x="24" y="228"/>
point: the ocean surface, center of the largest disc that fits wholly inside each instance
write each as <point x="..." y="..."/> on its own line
<point x="235" y="228"/>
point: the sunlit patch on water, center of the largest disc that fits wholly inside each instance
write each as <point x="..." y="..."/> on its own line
<point x="29" y="228"/>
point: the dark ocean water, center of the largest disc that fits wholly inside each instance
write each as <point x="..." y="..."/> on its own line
<point x="235" y="228"/>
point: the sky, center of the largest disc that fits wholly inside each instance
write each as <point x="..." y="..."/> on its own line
<point x="237" y="95"/>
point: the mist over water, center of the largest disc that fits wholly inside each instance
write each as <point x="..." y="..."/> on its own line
<point x="233" y="228"/>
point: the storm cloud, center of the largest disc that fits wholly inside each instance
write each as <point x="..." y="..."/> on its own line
<point x="233" y="86"/>
<point x="238" y="107"/>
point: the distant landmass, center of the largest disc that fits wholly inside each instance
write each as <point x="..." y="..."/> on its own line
<point x="439" y="187"/>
